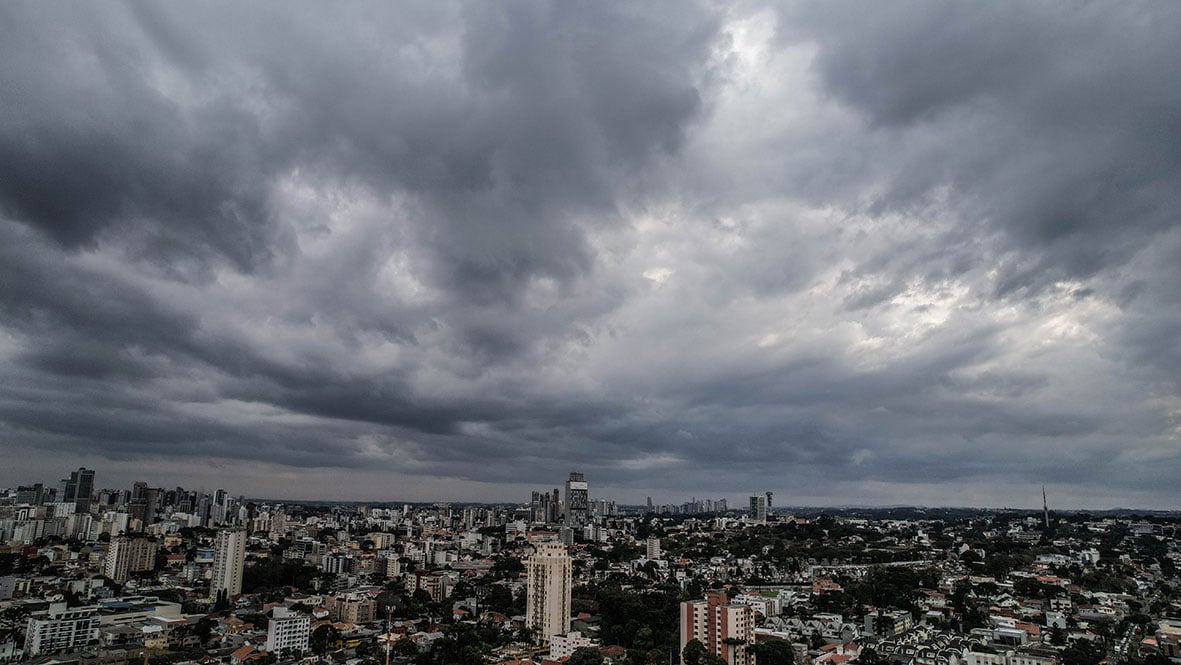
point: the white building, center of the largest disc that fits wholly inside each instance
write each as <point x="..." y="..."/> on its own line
<point x="61" y="629"/>
<point x="547" y="605"/>
<point x="563" y="646"/>
<point x="288" y="630"/>
<point x="229" y="560"/>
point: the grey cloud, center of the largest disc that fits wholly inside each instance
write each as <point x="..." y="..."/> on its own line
<point x="495" y="243"/>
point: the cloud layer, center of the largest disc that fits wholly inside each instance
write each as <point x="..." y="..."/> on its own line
<point x="910" y="253"/>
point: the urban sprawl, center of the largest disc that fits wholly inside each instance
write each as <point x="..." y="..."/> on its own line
<point x="150" y="575"/>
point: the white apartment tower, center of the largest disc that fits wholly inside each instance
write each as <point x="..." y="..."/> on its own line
<point x="228" y="561"/>
<point x="288" y="630"/>
<point x="547" y="605"/>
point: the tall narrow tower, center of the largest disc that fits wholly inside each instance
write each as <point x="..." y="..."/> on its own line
<point x="228" y="563"/>
<point x="577" y="501"/>
<point x="547" y="604"/>
<point x="79" y="489"/>
<point x="1045" y="508"/>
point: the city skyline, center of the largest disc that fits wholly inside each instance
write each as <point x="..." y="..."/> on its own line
<point x="909" y="253"/>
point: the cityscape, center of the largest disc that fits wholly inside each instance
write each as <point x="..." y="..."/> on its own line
<point x="101" y="576"/>
<point x="590" y="332"/>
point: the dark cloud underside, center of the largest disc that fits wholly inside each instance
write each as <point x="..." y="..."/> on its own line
<point x="904" y="252"/>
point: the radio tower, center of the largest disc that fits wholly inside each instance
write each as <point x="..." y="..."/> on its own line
<point x="1045" y="508"/>
<point x="389" y="612"/>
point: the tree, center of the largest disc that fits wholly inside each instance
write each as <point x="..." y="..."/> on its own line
<point x="585" y="656"/>
<point x="870" y="656"/>
<point x="322" y="638"/>
<point x="1082" y="652"/>
<point x="774" y="652"/>
<point x="693" y="652"/>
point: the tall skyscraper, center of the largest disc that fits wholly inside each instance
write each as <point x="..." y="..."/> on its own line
<point x="577" y="500"/>
<point x="758" y="508"/>
<point x="229" y="559"/>
<point x="547" y="604"/>
<point x="725" y="630"/>
<point x="79" y="488"/>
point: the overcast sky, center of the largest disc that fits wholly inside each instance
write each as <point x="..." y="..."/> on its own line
<point x="852" y="253"/>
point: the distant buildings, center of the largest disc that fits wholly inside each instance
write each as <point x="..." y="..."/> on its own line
<point x="547" y="605"/>
<point x="229" y="559"/>
<point x="724" y="629"/>
<point x="545" y="507"/>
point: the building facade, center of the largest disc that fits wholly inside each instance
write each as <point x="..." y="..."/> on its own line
<point x="577" y="500"/>
<point x="723" y="628"/>
<point x="229" y="559"/>
<point x="547" y="605"/>
<point x="129" y="555"/>
<point x="288" y="630"/>
<point x="61" y="629"/>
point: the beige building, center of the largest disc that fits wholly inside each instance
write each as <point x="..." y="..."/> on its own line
<point x="128" y="555"/>
<point x="547" y="605"/>
<point x="229" y="559"/>
<point x="353" y="608"/>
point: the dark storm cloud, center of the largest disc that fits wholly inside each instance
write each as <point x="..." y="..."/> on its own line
<point x="687" y="249"/>
<point x="1053" y="124"/>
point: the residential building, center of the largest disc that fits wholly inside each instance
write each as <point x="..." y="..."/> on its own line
<point x="228" y="562"/>
<point x="653" y="548"/>
<point x="129" y="555"/>
<point x="563" y="646"/>
<point x="723" y="628"/>
<point x="61" y="629"/>
<point x="352" y="608"/>
<point x="288" y="630"/>
<point x="547" y="605"/>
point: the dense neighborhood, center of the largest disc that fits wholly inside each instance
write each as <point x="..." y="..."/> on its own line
<point x="173" y="576"/>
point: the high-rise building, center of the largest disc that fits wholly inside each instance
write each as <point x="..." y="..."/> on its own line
<point x="129" y="555"/>
<point x="547" y="604"/>
<point x="577" y="500"/>
<point x="79" y="488"/>
<point x="758" y="508"/>
<point x="288" y="630"/>
<point x="229" y="559"/>
<point x="144" y="503"/>
<point x="724" y="629"/>
<point x="33" y="495"/>
<point x="653" y="548"/>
